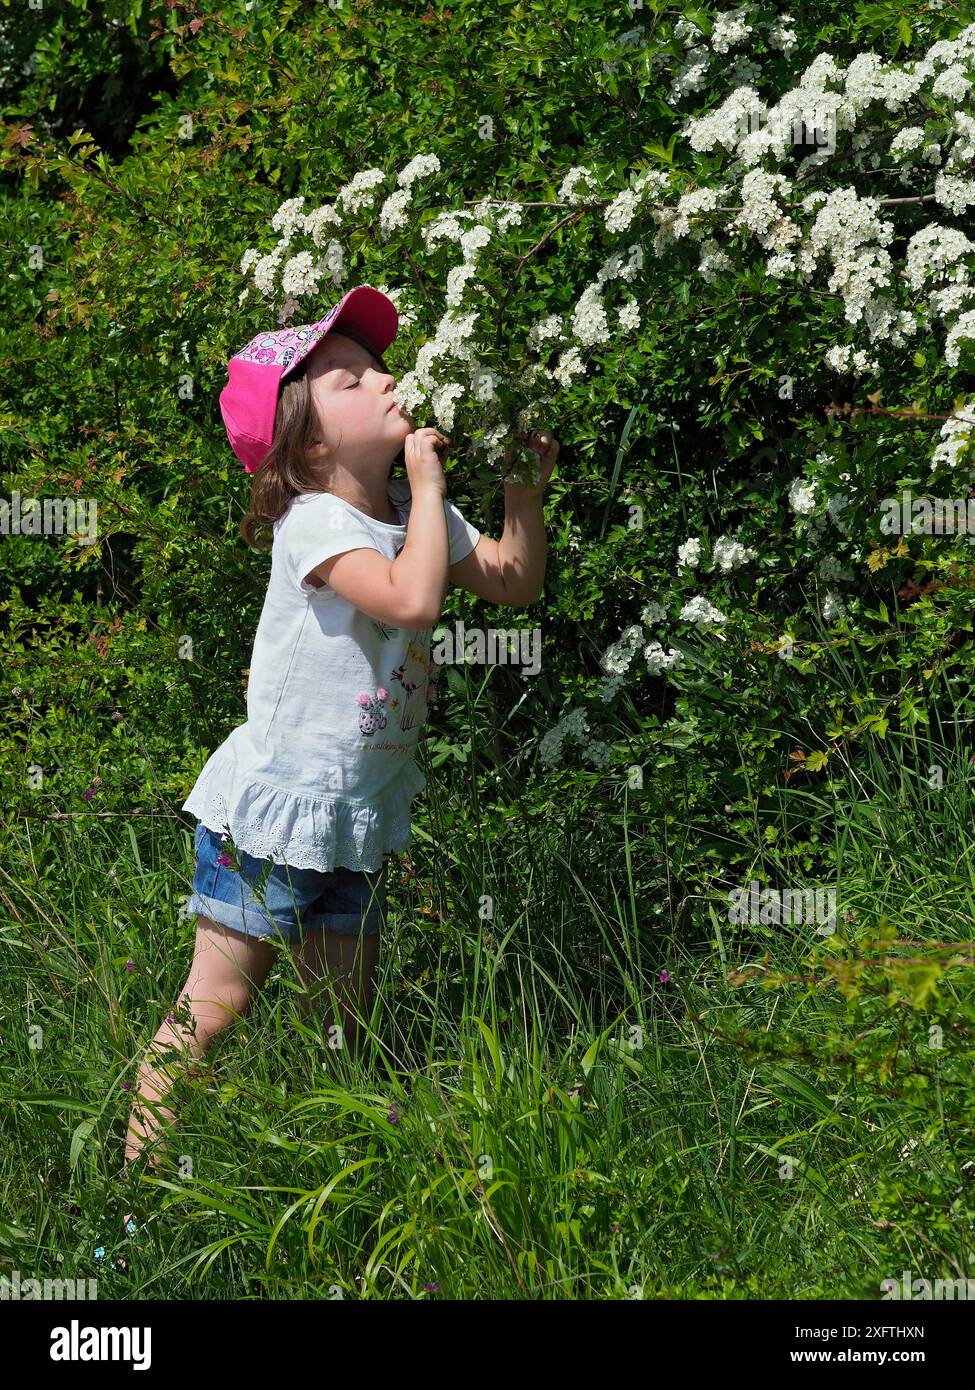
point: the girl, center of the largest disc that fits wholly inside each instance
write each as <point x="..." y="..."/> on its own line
<point x="313" y="791"/>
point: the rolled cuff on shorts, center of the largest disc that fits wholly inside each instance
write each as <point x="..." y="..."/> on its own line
<point x="250" y="920"/>
<point x="253" y="922"/>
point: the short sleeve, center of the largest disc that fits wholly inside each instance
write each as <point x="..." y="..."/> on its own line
<point x="462" y="537"/>
<point x="316" y="527"/>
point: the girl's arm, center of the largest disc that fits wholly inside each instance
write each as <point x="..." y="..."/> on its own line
<point x="511" y="572"/>
<point x="405" y="592"/>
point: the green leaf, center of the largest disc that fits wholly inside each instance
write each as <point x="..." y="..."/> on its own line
<point x="81" y="1133"/>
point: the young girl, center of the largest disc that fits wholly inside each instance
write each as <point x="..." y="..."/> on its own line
<point x="313" y="792"/>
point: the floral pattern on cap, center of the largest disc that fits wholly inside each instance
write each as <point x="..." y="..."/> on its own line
<point x="286" y="346"/>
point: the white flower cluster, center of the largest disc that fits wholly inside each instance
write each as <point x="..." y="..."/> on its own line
<point x="782" y="34"/>
<point x="629" y="316"/>
<point x="954" y="193"/>
<point x="713" y="261"/>
<point x="728" y="554"/>
<point x="419" y="166"/>
<point x="569" y="191"/>
<point x="653" y="613"/>
<point x="676" y="225"/>
<point x="956" y="439"/>
<point x="689" y="554"/>
<point x="843" y="358"/>
<point x="802" y="497"/>
<point x="848" y="231"/>
<point x="360" y="192"/>
<point x="621" y="211"/>
<point x="572" y="725"/>
<point x="617" y="659"/>
<point x="730" y="29"/>
<point x="549" y="327"/>
<point x="831" y="568"/>
<point x="702" y="613"/>
<point x="589" y="322"/>
<point x="659" y="662"/>
<point x="962" y="330"/>
<point x="907" y="140"/>
<point x="569" y="366"/>
<point x="835" y="506"/>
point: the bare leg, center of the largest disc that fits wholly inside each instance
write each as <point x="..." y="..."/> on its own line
<point x="227" y="971"/>
<point x="347" y="963"/>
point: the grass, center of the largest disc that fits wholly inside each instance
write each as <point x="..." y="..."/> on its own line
<point x="592" y="1102"/>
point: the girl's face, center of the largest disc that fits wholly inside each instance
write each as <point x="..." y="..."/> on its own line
<point x="354" y="398"/>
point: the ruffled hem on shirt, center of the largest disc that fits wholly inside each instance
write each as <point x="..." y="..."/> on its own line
<point x="309" y="832"/>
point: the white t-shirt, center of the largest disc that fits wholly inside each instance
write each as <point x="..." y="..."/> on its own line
<point x="322" y="773"/>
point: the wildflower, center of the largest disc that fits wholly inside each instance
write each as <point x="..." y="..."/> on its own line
<point x="653" y="613"/>
<point x="568" y="192"/>
<point x="727" y="553"/>
<point x="802" y="497"/>
<point x="833" y="606"/>
<point x="699" y="611"/>
<point x="658" y="660"/>
<point x="689" y="554"/>
<point x="419" y="166"/>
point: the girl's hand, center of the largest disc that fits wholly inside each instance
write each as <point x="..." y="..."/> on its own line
<point x="423" y="466"/>
<point x="546" y="446"/>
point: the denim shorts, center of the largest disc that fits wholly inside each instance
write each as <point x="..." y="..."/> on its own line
<point x="294" y="900"/>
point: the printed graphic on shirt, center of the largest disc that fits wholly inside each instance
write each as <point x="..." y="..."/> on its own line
<point x="372" y="715"/>
<point x="412" y="688"/>
<point x="384" y="630"/>
<point x="413" y="674"/>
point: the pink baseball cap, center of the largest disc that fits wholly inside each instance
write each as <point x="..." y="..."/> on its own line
<point x="249" y="401"/>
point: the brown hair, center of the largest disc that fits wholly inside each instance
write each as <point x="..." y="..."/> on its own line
<point x="286" y="470"/>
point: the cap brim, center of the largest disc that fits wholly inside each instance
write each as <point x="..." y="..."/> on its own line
<point x="367" y="311"/>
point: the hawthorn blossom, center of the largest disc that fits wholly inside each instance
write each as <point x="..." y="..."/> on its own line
<point x="956" y="438"/>
<point x="569" y="191"/>
<point x="689" y="554"/>
<point x="702" y="613"/>
<point x="359" y="193"/>
<point x="802" y="497"/>
<point x="963" y="330"/>
<point x="392" y="214"/>
<point x="729" y="29"/>
<point x="728" y="554"/>
<point x="629" y="316"/>
<point x="419" y="166"/>
<point x="589" y="322"/>
<point x="288" y="217"/>
<point x="300" y="275"/>
<point x="570" y="364"/>
<point x="833" y="605"/>
<point x="653" y="613"/>
<point x="658" y="661"/>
